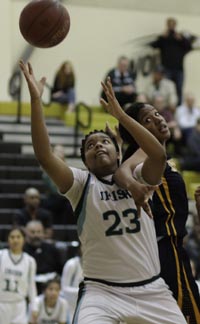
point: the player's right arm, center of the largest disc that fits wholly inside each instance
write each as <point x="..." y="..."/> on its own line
<point x="59" y="172"/>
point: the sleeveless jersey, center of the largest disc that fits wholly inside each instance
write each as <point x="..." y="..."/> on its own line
<point x="170" y="204"/>
<point x="117" y="246"/>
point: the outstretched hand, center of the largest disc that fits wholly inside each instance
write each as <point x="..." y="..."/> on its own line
<point x="111" y="105"/>
<point x="35" y="87"/>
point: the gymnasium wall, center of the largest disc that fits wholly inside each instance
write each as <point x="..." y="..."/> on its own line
<point x="96" y="39"/>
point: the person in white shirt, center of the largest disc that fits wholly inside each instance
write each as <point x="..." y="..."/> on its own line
<point x="187" y="115"/>
<point x="119" y="250"/>
<point x="159" y="85"/>
<point x="71" y="277"/>
<point x="49" y="307"/>
<point x="17" y="280"/>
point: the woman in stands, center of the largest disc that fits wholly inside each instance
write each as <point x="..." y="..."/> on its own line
<point x="17" y="279"/>
<point x="170" y="210"/>
<point x="63" y="88"/>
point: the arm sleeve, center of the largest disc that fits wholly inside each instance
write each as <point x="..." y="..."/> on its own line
<point x="157" y="43"/>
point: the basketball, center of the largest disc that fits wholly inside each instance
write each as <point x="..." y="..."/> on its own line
<point x="44" y="23"/>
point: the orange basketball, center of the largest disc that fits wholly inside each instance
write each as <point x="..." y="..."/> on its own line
<point x="44" y="23"/>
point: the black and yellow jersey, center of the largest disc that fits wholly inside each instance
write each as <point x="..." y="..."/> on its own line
<point x="170" y="204"/>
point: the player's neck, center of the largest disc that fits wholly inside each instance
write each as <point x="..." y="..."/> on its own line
<point x="50" y="303"/>
<point x="16" y="252"/>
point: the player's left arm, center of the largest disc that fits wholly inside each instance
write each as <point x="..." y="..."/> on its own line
<point x="32" y="291"/>
<point x="155" y="153"/>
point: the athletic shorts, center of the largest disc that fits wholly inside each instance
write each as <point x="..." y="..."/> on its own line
<point x="152" y="303"/>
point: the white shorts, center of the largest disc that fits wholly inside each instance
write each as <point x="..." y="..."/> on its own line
<point x="13" y="313"/>
<point x="149" y="304"/>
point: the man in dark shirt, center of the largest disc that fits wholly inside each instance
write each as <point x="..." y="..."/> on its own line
<point x="123" y="82"/>
<point x="173" y="47"/>
<point x="46" y="255"/>
<point x="33" y="211"/>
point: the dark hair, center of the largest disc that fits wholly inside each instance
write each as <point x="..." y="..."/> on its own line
<point x="17" y="228"/>
<point x="82" y="149"/>
<point x="133" y="111"/>
<point x="50" y="281"/>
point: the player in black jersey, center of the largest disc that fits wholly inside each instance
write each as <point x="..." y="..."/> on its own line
<point x="170" y="209"/>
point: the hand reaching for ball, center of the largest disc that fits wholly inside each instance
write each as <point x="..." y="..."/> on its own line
<point x="111" y="105"/>
<point x="35" y="87"/>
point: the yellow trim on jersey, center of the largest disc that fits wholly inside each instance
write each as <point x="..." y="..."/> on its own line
<point x="180" y="290"/>
<point x="166" y="188"/>
<point x="165" y="207"/>
<point x="195" y="308"/>
<point x="170" y="218"/>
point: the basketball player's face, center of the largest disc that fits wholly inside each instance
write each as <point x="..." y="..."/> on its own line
<point x="16" y="241"/>
<point x="101" y="156"/>
<point x="150" y="118"/>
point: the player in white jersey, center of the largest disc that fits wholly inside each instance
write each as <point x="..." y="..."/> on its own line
<point x="120" y="256"/>
<point x="17" y="280"/>
<point x="49" y="308"/>
<point x="72" y="275"/>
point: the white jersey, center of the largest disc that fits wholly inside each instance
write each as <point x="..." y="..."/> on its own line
<point x="117" y="246"/>
<point x="47" y="315"/>
<point x="17" y="278"/>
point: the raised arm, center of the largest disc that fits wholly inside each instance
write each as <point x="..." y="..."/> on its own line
<point x="59" y="172"/>
<point x="155" y="153"/>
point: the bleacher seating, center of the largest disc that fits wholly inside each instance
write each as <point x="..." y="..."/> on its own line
<point x="19" y="169"/>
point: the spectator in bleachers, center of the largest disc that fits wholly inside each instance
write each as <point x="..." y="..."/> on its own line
<point x="191" y="160"/>
<point x="46" y="255"/>
<point x="160" y="86"/>
<point x="123" y="82"/>
<point x="56" y="203"/>
<point x="71" y="277"/>
<point x="33" y="211"/>
<point x="173" y="47"/>
<point x="186" y="115"/>
<point x="63" y="90"/>
<point x="49" y="307"/>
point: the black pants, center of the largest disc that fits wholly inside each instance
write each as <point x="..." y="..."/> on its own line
<point x="177" y="273"/>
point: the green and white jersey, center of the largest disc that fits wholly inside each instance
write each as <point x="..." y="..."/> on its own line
<point x="17" y="277"/>
<point x="50" y="315"/>
<point x="117" y="246"/>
